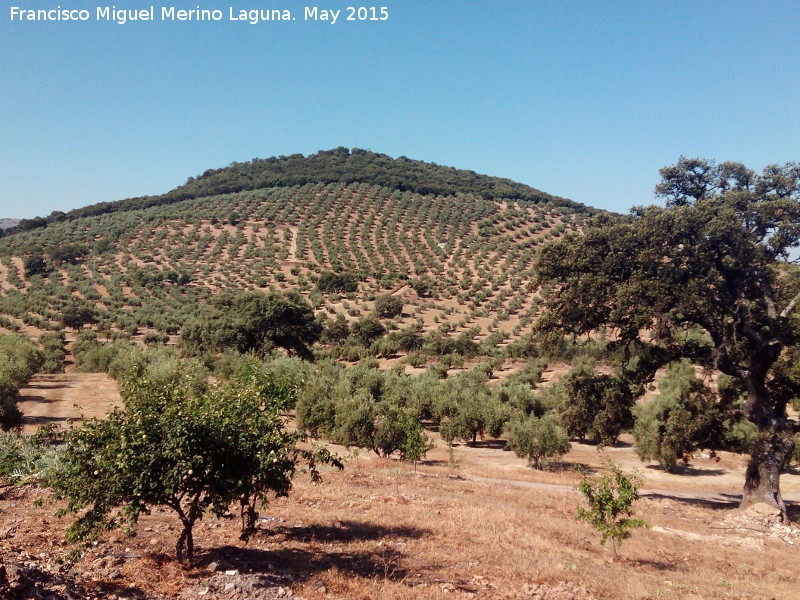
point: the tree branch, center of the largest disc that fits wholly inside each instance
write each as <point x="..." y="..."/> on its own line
<point x="790" y="307"/>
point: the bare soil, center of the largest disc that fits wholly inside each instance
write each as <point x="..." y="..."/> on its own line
<point x="66" y="396"/>
<point x="464" y="523"/>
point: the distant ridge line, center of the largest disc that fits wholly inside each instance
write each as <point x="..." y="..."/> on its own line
<point x="340" y="165"/>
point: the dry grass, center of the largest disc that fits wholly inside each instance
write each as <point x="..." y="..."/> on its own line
<point x="379" y="529"/>
<point x="474" y="520"/>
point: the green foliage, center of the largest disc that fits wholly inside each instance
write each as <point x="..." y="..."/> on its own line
<point x="366" y="330"/>
<point x="611" y="496"/>
<point x="160" y="365"/>
<point x="340" y="283"/>
<point x="685" y="416"/>
<point x="382" y="427"/>
<point x="335" y="331"/>
<point x="252" y="321"/>
<point x="466" y="409"/>
<point x="538" y="439"/>
<point x="366" y="408"/>
<point x="53" y="352"/>
<point x="77" y="314"/>
<point x="20" y="359"/>
<point x="155" y="338"/>
<point x="327" y="166"/>
<point x="713" y="258"/>
<point x="35" y="265"/>
<point x="423" y="286"/>
<point x="93" y="356"/>
<point x="24" y="459"/>
<point x="597" y="405"/>
<point x="387" y="307"/>
<point x="193" y="453"/>
<point x="67" y="253"/>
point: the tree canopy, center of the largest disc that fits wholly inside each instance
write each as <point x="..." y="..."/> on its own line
<point x="339" y="165"/>
<point x="193" y="453"/>
<point x="706" y="277"/>
<point x="252" y="321"/>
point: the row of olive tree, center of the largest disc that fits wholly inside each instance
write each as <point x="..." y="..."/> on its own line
<point x="20" y="359"/>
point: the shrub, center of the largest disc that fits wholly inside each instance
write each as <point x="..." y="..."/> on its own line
<point x="597" y="405"/>
<point x="387" y="307"/>
<point x="538" y="439"/>
<point x="23" y="459"/>
<point x="340" y="283"/>
<point x="610" y="497"/>
<point x="21" y="360"/>
<point x="191" y="453"/>
<point x="686" y="415"/>
<point x="53" y="352"/>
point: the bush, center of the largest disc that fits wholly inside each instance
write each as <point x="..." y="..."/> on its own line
<point x="340" y="283"/>
<point x="597" y="405"/>
<point x="53" y="352"/>
<point x="155" y="337"/>
<point x="21" y="360"/>
<point x="366" y="330"/>
<point x="35" y="265"/>
<point x="191" y="453"/>
<point x="686" y="415"/>
<point x="388" y="307"/>
<point x="610" y="497"/>
<point x="24" y="459"/>
<point x="252" y="321"/>
<point x="538" y="439"/>
<point x="92" y="356"/>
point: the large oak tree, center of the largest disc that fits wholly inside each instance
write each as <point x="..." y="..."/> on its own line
<point x="716" y="259"/>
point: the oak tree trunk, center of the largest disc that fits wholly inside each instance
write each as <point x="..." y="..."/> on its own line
<point x="773" y="447"/>
<point x="762" y="478"/>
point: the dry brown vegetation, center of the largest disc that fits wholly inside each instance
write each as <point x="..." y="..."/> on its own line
<point x="466" y="523"/>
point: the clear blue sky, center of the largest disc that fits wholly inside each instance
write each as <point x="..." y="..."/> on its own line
<point x="581" y="99"/>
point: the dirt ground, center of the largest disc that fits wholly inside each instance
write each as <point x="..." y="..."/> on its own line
<point x="64" y="396"/>
<point x="464" y="523"/>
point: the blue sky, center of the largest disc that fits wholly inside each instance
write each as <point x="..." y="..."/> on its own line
<point x="585" y="100"/>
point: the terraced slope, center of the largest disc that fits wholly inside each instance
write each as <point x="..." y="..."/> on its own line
<point x="471" y="258"/>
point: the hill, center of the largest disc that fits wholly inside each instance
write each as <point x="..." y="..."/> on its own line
<point x="8" y="223"/>
<point x="451" y="255"/>
<point x="340" y="165"/>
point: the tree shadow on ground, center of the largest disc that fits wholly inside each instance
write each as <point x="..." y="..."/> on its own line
<point x="722" y="502"/>
<point x="689" y="470"/>
<point x="433" y="463"/>
<point x="491" y="444"/>
<point x="659" y="565"/>
<point x="563" y="466"/>
<point x="793" y="511"/>
<point x="45" y="386"/>
<point x="120" y="590"/>
<point x="346" y="531"/>
<point x="292" y="565"/>
<point x="300" y="564"/>
<point x="36" y="399"/>
<point x="37" y="421"/>
<point x="596" y="443"/>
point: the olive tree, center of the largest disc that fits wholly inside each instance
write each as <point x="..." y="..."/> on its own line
<point x="715" y="257"/>
<point x="538" y="438"/>
<point x="20" y="359"/>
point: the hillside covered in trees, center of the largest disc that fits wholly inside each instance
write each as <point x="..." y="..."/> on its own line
<point x="340" y="165"/>
<point x="452" y="255"/>
<point x="391" y="311"/>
